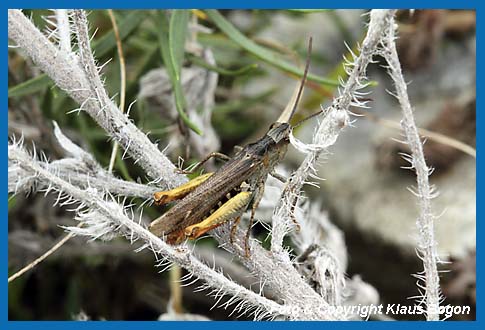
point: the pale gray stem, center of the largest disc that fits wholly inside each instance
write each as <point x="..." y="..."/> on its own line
<point x="20" y="180"/>
<point x="427" y="245"/>
<point x="80" y="169"/>
<point x="87" y="61"/>
<point x="77" y="76"/>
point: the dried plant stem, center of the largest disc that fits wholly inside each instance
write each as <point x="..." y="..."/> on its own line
<point x="43" y="256"/>
<point x="176" y="289"/>
<point x="434" y="136"/>
<point x="123" y="83"/>
<point x="448" y="141"/>
<point x="427" y="246"/>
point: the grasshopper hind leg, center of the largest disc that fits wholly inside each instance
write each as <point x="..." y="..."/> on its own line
<point x="163" y="197"/>
<point x="232" y="209"/>
<point x="233" y="229"/>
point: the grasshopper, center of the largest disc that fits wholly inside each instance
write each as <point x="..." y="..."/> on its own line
<point x="213" y="199"/>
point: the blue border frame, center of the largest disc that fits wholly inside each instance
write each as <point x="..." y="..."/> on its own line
<point x="140" y="4"/>
<point x="247" y="4"/>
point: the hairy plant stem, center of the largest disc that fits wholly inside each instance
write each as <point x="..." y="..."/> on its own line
<point x="78" y="76"/>
<point x="427" y="245"/>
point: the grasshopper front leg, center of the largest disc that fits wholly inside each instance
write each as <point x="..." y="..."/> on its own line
<point x="231" y="209"/>
<point x="163" y="197"/>
<point x="217" y="155"/>
<point x="278" y="177"/>
<point x="258" y="195"/>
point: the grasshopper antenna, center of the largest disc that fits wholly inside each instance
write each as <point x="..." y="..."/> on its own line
<point x="325" y="111"/>
<point x="309" y="117"/>
<point x="284" y="118"/>
<point x="303" y="81"/>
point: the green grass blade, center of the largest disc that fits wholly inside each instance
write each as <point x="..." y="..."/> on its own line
<point x="30" y="86"/>
<point x="259" y="51"/>
<point x="225" y="72"/>
<point x="179" y="21"/>
<point x="120" y="166"/>
<point x="243" y="103"/>
<point x="11" y="201"/>
<point x="164" y="41"/>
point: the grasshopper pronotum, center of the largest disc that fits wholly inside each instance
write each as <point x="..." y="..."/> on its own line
<point x="213" y="199"/>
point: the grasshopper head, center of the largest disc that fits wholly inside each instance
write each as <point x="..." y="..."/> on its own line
<point x="279" y="135"/>
<point x="279" y="132"/>
<point x="273" y="144"/>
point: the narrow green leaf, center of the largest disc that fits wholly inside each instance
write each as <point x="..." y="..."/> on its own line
<point x="163" y="31"/>
<point x="243" y="103"/>
<point x="163" y="39"/>
<point x="179" y="21"/>
<point x="30" y="86"/>
<point x="121" y="167"/>
<point x="259" y="51"/>
<point x="11" y="201"/>
<point x="200" y="62"/>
